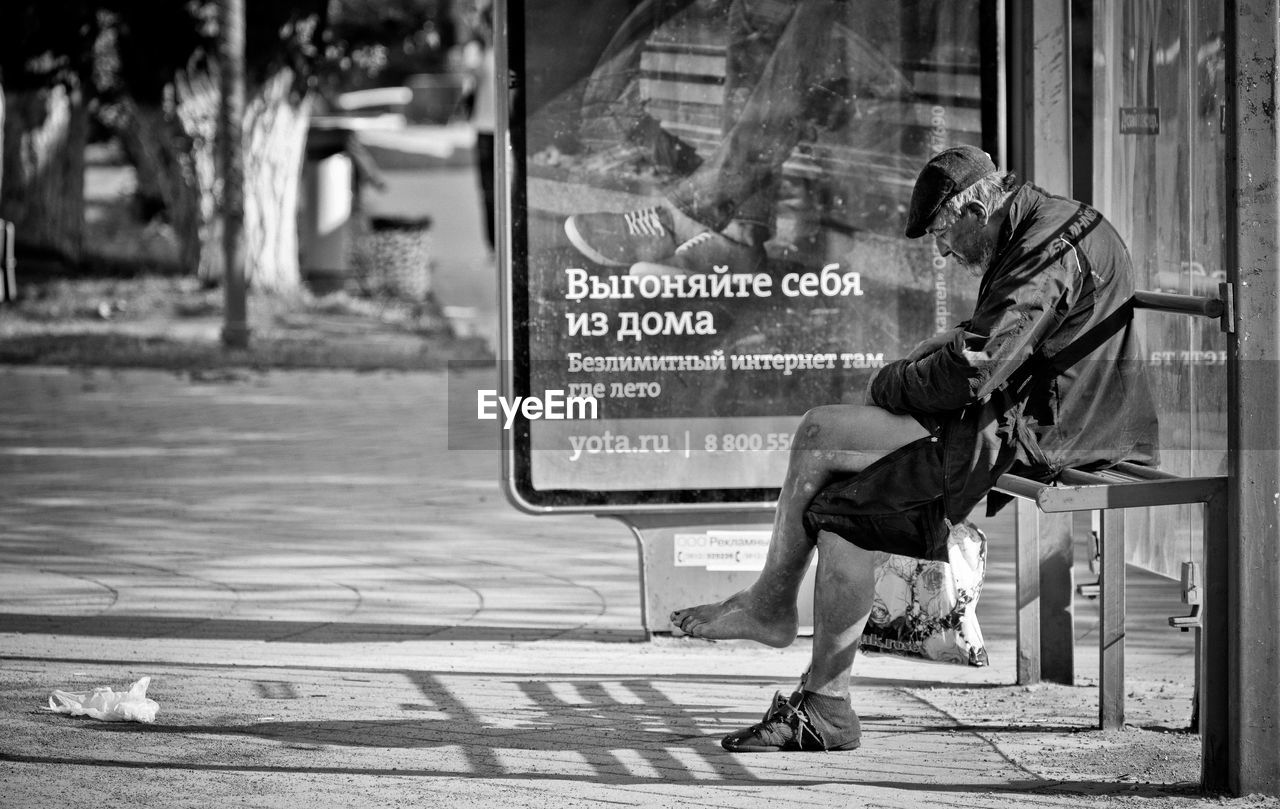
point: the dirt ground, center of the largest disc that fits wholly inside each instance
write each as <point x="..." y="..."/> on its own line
<point x="1158" y="749"/>
<point x="174" y="323"/>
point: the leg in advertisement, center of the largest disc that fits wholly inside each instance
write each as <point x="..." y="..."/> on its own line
<point x="792" y="68"/>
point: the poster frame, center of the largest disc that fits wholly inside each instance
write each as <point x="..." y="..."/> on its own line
<point x="514" y="364"/>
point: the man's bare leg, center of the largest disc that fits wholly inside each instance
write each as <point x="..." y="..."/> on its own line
<point x="844" y="589"/>
<point x="830" y="440"/>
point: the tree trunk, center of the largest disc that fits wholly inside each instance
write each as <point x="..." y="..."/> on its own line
<point x="230" y="146"/>
<point x="173" y="148"/>
<point x="275" y="138"/>
<point x="195" y="108"/>
<point x="168" y="163"/>
<point x="45" y="133"/>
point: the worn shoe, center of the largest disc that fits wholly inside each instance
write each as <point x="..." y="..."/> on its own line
<point x="704" y="253"/>
<point x="795" y="724"/>
<point x="622" y="239"/>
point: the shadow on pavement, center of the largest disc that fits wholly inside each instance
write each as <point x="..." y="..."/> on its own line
<point x="577" y="729"/>
<point x="715" y="773"/>
<point x="153" y="627"/>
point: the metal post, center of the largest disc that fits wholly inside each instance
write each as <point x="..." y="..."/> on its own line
<point x="1212" y="703"/>
<point x="1051" y="95"/>
<point x="1040" y="87"/>
<point x="1040" y="92"/>
<point x="1111" y="631"/>
<point x="1027" y="553"/>
<point x="1253" y="426"/>
<point x="1057" y="597"/>
<point x="235" y="330"/>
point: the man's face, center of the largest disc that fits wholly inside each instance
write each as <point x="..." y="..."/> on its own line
<point x="964" y="236"/>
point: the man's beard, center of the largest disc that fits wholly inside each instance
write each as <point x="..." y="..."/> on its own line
<point x="976" y="257"/>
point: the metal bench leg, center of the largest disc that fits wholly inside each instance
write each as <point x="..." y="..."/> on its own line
<point x="1111" y="634"/>
<point x="1027" y="560"/>
<point x="1057" y="597"/>
<point x="1213" y="704"/>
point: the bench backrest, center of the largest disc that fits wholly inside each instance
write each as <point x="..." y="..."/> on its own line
<point x="1087" y="343"/>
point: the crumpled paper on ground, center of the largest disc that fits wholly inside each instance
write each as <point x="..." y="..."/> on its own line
<point x="110" y="706"/>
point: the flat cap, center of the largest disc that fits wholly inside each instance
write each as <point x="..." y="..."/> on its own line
<point x="946" y="174"/>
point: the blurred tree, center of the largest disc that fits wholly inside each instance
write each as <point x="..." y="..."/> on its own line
<point x="47" y="57"/>
<point x="160" y="89"/>
<point x="165" y="97"/>
<point x="386" y="41"/>
<point x="153" y="67"/>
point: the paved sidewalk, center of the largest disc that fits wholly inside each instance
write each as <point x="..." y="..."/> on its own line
<point x="338" y="610"/>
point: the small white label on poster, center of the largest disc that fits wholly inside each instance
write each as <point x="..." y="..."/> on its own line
<point x="722" y="550"/>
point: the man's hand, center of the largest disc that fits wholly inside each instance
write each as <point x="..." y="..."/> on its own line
<point x="932" y="344"/>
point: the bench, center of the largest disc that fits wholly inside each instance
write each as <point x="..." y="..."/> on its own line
<point x="1041" y="635"/>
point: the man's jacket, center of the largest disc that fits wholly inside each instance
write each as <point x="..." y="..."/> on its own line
<point x="996" y="395"/>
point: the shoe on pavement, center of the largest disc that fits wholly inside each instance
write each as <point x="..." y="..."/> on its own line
<point x="794" y="724"/>
<point x="622" y="239"/>
<point x="706" y="252"/>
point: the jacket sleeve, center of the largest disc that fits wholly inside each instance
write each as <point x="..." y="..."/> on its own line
<point x="1024" y="304"/>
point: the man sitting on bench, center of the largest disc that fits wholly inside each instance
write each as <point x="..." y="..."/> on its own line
<point x="941" y="426"/>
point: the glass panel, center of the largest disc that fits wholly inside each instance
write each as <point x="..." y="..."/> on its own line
<point x="709" y="225"/>
<point x="1159" y="161"/>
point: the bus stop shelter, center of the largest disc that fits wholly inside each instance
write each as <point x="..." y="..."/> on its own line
<point x="679" y="388"/>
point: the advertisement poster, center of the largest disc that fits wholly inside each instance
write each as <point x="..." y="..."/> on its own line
<point x="708" y="200"/>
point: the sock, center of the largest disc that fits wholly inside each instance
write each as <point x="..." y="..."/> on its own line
<point x="833" y="717"/>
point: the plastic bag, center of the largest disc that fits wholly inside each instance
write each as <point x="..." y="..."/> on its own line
<point x="928" y="610"/>
<point x="111" y="706"/>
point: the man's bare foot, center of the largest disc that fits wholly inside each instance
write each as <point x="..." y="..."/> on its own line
<point x="735" y="618"/>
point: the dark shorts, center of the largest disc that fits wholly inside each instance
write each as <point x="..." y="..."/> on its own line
<point x="896" y="505"/>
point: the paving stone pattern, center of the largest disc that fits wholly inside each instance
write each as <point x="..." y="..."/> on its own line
<point x="337" y="609"/>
